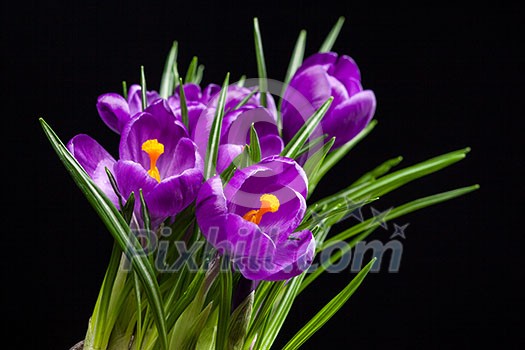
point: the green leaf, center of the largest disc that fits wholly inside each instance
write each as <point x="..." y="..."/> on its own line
<point x="239" y="322"/>
<point x="255" y="147"/>
<point x="143" y="89"/>
<point x="328" y="311"/>
<point x="397" y="212"/>
<point x="198" y="74"/>
<point x="98" y="321"/>
<point x="167" y="81"/>
<point x="311" y="167"/>
<point x="241" y="81"/>
<point x="296" y="59"/>
<point x="303" y="134"/>
<point x="225" y="280"/>
<point x="192" y="69"/>
<point x="312" y="276"/>
<point x="390" y="182"/>
<point x="117" y="226"/>
<point x="183" y="105"/>
<point x="127" y="211"/>
<point x="309" y="145"/>
<point x="125" y="89"/>
<point x="332" y="36"/>
<point x="246" y="99"/>
<point x="261" y="65"/>
<point x="335" y="156"/>
<point x="295" y="62"/>
<point x="378" y="171"/>
<point x="215" y="132"/>
<point x="279" y="314"/>
<point x="208" y="334"/>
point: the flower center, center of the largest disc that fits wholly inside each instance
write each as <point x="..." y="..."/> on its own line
<point x="269" y="203"/>
<point x="154" y="149"/>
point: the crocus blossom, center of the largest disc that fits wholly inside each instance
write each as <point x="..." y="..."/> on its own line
<point x="116" y="111"/>
<point x="156" y="156"/>
<point x="253" y="219"/>
<point x="320" y="76"/>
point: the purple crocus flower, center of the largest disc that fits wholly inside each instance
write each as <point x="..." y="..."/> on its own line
<point x="156" y="156"/>
<point x="320" y="76"/>
<point x="235" y="132"/>
<point x="210" y="94"/>
<point x="116" y="111"/>
<point x="253" y="218"/>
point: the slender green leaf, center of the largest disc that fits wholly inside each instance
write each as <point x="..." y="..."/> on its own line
<point x="391" y="181"/>
<point x="312" y="276"/>
<point x="261" y="65"/>
<point x="183" y="105"/>
<point x="332" y="36"/>
<point x="296" y="59"/>
<point x="241" y="81"/>
<point x="397" y="212"/>
<point x="116" y="226"/>
<point x="255" y="147"/>
<point x="295" y="62"/>
<point x="225" y="280"/>
<point x="309" y="145"/>
<point x="246" y="99"/>
<point x="97" y="323"/>
<point x="329" y="310"/>
<point x="208" y="334"/>
<point x="378" y="171"/>
<point x="215" y="132"/>
<point x="198" y="74"/>
<point x="335" y="156"/>
<point x="303" y="134"/>
<point x="143" y="88"/>
<point x="167" y="81"/>
<point x="311" y="166"/>
<point x="125" y="89"/>
<point x="239" y="322"/>
<point x="192" y="69"/>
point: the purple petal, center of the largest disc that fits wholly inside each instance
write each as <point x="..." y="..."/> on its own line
<point x="114" y="111"/>
<point x="131" y="177"/>
<point x="246" y="185"/>
<point x="172" y="195"/>
<point x="349" y="118"/>
<point x="346" y="69"/>
<point x="293" y="256"/>
<point x="135" y="98"/>
<point x="271" y="145"/>
<point x="306" y="93"/>
<point x="227" y="154"/>
<point x="237" y="124"/>
<point x="326" y="60"/>
<point x="94" y="159"/>
<point x="229" y="233"/>
<point x="145" y="126"/>
<point x="185" y="156"/>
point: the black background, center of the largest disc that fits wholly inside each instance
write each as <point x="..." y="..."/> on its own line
<point x="445" y="78"/>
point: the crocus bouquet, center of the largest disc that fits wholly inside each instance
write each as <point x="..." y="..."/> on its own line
<point x="208" y="200"/>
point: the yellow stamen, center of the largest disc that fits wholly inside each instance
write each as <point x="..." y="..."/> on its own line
<point x="269" y="203"/>
<point x="154" y="149"/>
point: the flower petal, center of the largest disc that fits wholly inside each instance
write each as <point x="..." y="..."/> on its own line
<point x="172" y="195"/>
<point x="113" y="110"/>
<point x="293" y="256"/>
<point x="145" y="126"/>
<point x="306" y="93"/>
<point x="326" y="60"/>
<point x="94" y="159"/>
<point x="350" y="117"/>
<point x="246" y="185"/>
